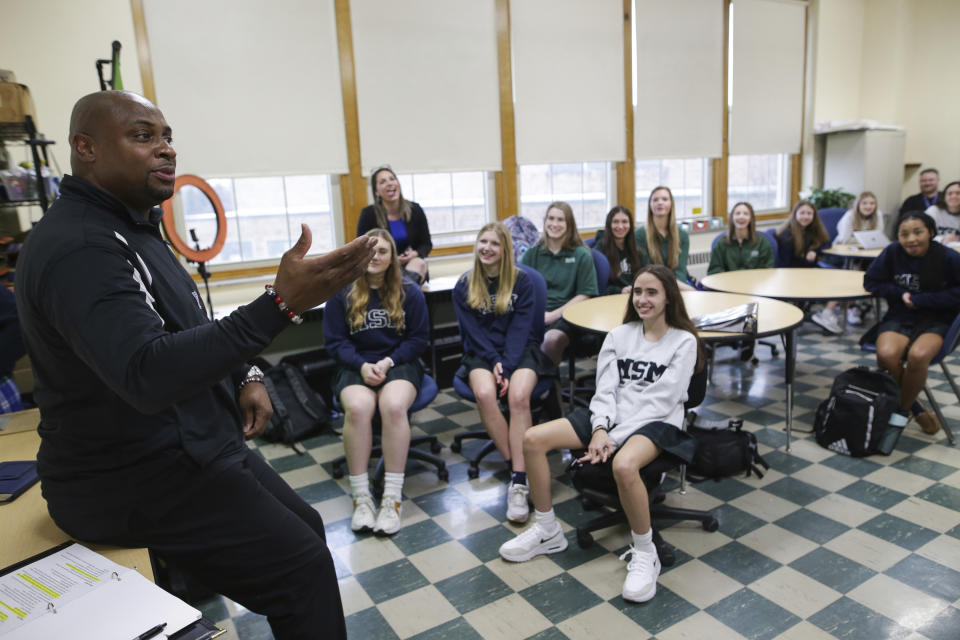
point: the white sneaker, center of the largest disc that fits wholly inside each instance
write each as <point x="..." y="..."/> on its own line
<point x="518" y="510"/>
<point x="533" y="542"/>
<point x="827" y="321"/>
<point x="854" y="318"/>
<point x="642" y="572"/>
<point x="364" y="513"/>
<point x="388" y="520"/>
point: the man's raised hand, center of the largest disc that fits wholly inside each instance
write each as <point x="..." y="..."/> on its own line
<point x="304" y="283"/>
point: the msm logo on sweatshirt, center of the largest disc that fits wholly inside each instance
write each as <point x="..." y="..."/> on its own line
<point x="909" y="281"/>
<point x="375" y="319"/>
<point x="493" y="304"/>
<point x="636" y="370"/>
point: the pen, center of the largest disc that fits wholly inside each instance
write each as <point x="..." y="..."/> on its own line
<point x="146" y="635"/>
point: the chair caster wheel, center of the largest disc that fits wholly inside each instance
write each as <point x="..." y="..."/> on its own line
<point x="667" y="556"/>
<point x="456" y="446"/>
<point x="584" y="539"/>
<point x="443" y="474"/>
<point x="473" y="473"/>
<point x="337" y="472"/>
<point x="435" y="447"/>
<point x="774" y="352"/>
<point x="711" y="525"/>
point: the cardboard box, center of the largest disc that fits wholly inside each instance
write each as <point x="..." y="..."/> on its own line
<point x="15" y="103"/>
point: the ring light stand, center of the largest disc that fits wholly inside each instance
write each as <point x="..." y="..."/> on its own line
<point x="195" y="254"/>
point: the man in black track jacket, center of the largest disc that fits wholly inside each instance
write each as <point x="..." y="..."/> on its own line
<point x="142" y="418"/>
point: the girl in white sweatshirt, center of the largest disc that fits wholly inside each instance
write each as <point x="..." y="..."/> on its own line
<point x="643" y="371"/>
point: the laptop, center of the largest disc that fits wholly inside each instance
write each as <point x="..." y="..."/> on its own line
<point x="871" y="239"/>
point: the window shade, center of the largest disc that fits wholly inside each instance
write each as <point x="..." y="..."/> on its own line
<point x="679" y="78"/>
<point x="250" y="88"/>
<point x="427" y="86"/>
<point x="768" y="52"/>
<point x="568" y="80"/>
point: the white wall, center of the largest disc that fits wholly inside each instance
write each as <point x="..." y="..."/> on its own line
<point x="53" y="46"/>
<point x="892" y="61"/>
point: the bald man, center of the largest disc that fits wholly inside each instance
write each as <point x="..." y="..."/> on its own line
<point x="145" y="402"/>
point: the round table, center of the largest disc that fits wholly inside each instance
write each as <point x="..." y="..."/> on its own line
<point x="600" y="315"/>
<point x="852" y="251"/>
<point x="809" y="285"/>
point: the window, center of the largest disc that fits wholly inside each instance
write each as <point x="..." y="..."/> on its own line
<point x="762" y="180"/>
<point x="455" y="203"/>
<point x="688" y="179"/>
<point x="585" y="186"/>
<point x="263" y="215"/>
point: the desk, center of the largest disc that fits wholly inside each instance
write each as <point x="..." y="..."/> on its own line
<point x="807" y="285"/>
<point x="852" y="251"/>
<point x="600" y="315"/>
<point x="26" y="528"/>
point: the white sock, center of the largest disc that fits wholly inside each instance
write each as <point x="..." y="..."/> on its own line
<point x="360" y="484"/>
<point x="641" y="540"/>
<point x="393" y="484"/>
<point x="546" y="519"/>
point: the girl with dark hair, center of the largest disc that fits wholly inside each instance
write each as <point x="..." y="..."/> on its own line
<point x="743" y="247"/>
<point x="618" y="242"/>
<point x="920" y="279"/>
<point x="405" y="221"/>
<point x="643" y="371"/>
<point x="567" y="266"/>
<point x="800" y="240"/>
<point x="376" y="329"/>
<point x="946" y="213"/>
<point x="665" y="241"/>
<point x="495" y="304"/>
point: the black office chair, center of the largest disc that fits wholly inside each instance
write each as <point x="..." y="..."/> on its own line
<point x="598" y="489"/>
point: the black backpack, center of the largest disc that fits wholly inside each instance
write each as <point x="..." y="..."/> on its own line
<point x="724" y="452"/>
<point x="853" y="419"/>
<point x="298" y="410"/>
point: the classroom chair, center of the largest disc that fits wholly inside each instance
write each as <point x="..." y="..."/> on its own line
<point x="598" y="489"/>
<point x="428" y="391"/>
<point x="544" y="401"/>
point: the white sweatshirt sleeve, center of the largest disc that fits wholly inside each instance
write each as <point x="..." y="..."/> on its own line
<point x="603" y="406"/>
<point x="845" y="228"/>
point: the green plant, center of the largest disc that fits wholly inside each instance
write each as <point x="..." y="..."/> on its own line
<point x="824" y="198"/>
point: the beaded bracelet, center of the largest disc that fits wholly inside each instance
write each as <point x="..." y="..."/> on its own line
<point x="282" y="306"/>
<point x="248" y="380"/>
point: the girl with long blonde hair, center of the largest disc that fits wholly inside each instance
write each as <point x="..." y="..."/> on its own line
<point x="495" y="303"/>
<point x="665" y="241"/>
<point x="376" y="329"/>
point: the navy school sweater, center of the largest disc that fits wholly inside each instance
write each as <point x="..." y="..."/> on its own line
<point x="788" y="258"/>
<point x="895" y="272"/>
<point x="376" y="338"/>
<point x="497" y="338"/>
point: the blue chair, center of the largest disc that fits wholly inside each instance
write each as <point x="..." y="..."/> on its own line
<point x="830" y="216"/>
<point x="542" y="391"/>
<point x="771" y="235"/>
<point x="590" y="242"/>
<point x="949" y="344"/>
<point x="428" y="392"/>
<point x="602" y="266"/>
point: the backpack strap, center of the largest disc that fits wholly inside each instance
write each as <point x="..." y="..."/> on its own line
<point x="297" y="386"/>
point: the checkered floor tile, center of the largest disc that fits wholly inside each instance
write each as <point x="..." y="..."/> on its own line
<point x="824" y="546"/>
